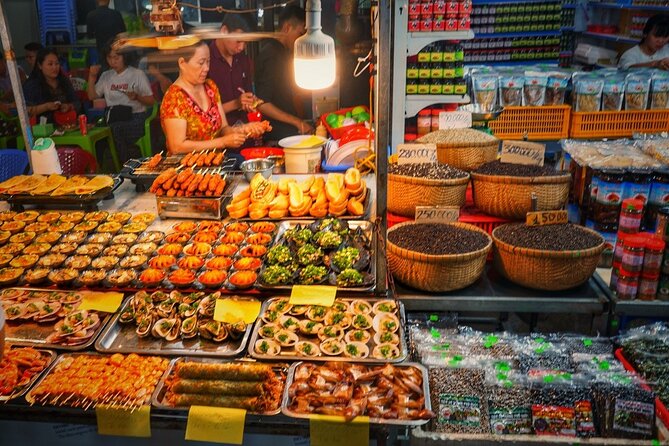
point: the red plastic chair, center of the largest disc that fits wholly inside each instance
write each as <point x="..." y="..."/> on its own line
<point x="76" y="161"/>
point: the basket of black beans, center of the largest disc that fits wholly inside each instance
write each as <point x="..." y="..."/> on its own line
<point x="506" y="190"/>
<point x="437" y="256"/>
<point x="550" y="257"/>
<point x="424" y="184"/>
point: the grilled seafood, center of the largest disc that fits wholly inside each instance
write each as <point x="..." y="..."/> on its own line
<point x="162" y="261"/>
<point x="220" y="262"/>
<point x="18" y="366"/>
<point x="191" y="262"/>
<point x="226" y="249"/>
<point x="243" y="279"/>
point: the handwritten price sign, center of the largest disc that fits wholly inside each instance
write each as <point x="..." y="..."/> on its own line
<point x="215" y="424"/>
<point x="546" y="218"/>
<point x="455" y="120"/>
<point x="437" y="214"/>
<point x="523" y="152"/>
<point x="416" y="153"/>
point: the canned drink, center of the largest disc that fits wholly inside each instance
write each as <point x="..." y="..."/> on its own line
<point x="83" y="124"/>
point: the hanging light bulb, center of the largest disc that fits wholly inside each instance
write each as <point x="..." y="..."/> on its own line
<point x="314" y="61"/>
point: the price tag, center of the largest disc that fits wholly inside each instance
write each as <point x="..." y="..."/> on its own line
<point x="455" y="120"/>
<point x="123" y="422"/>
<point x="215" y="424"/>
<point x="437" y="214"/>
<point x="232" y="311"/>
<point x="322" y="295"/>
<point x="416" y="153"/>
<point x="523" y="152"/>
<point x="105" y="302"/>
<point x="546" y="218"/>
<point x="328" y="430"/>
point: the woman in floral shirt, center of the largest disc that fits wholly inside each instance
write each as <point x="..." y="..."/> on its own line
<point x="191" y="112"/>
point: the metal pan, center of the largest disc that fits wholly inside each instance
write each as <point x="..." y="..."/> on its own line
<point x="365" y="214"/>
<point x="158" y="397"/>
<point x="367" y="226"/>
<point x="121" y="338"/>
<point x="51" y="357"/>
<point x="290" y="355"/>
<point x="285" y="402"/>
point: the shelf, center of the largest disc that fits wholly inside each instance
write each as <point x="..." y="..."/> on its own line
<point x="569" y="6"/>
<point x="502" y="63"/>
<point x="418" y="40"/>
<point x="612" y="37"/>
<point x="653" y="308"/>
<point x="523" y="34"/>
<point x="415" y="103"/>
<point x="567" y="28"/>
<point x="636" y="7"/>
<point x="566" y="53"/>
<point x="497" y="2"/>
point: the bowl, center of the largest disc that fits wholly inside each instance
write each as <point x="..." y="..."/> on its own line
<point x="260" y="165"/>
<point x="261" y="152"/>
<point x="302" y="142"/>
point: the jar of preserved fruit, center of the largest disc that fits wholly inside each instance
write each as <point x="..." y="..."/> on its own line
<point x="631" y="212"/>
<point x="633" y="253"/>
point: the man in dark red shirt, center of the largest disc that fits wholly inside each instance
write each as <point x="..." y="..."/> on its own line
<point x="231" y="70"/>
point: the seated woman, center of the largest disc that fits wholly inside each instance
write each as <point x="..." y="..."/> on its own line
<point x="125" y="87"/>
<point x="652" y="51"/>
<point x="192" y="114"/>
<point x="48" y="89"/>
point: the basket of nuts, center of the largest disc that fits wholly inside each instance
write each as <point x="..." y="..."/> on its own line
<point x="424" y="184"/>
<point x="437" y="256"/>
<point x="464" y="149"/>
<point x="551" y="257"/>
<point x="505" y="190"/>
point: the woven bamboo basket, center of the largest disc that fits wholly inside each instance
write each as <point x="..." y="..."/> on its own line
<point x="436" y="272"/>
<point x="546" y="270"/>
<point x="405" y="193"/>
<point x="511" y="197"/>
<point x="467" y="158"/>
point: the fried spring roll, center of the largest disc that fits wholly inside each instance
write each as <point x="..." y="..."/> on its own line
<point x="218" y="387"/>
<point x="238" y="402"/>
<point x="229" y="371"/>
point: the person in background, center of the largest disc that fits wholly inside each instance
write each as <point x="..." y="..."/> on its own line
<point x="31" y="49"/>
<point x="652" y="51"/>
<point x="48" y="89"/>
<point x="274" y="77"/>
<point x="192" y="113"/>
<point x="123" y="85"/>
<point x="104" y="24"/>
<point x="231" y="70"/>
<point x="6" y="92"/>
<point x="164" y="82"/>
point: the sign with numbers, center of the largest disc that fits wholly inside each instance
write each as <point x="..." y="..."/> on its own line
<point x="546" y="218"/>
<point x="437" y="214"/>
<point x="523" y="152"/>
<point x="416" y="153"/>
<point x="455" y="120"/>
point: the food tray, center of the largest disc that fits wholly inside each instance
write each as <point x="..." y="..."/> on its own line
<point x="121" y="338"/>
<point x="365" y="214"/>
<point x="290" y="354"/>
<point x="426" y="392"/>
<point x="33" y="334"/>
<point x="51" y="358"/>
<point x="158" y="397"/>
<point x="196" y="207"/>
<point x="64" y="201"/>
<point x="369" y="231"/>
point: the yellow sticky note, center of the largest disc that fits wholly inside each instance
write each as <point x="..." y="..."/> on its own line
<point x="216" y="424"/>
<point x="328" y="430"/>
<point x="105" y="302"/>
<point x="323" y="295"/>
<point x="123" y="422"/>
<point x="231" y="311"/>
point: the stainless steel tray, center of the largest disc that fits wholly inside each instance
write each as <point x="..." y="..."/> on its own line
<point x="366" y="206"/>
<point x="158" y="397"/>
<point x="33" y="334"/>
<point x="51" y="358"/>
<point x="121" y="338"/>
<point x="197" y="207"/>
<point x="285" y="402"/>
<point x="367" y="227"/>
<point x="290" y="354"/>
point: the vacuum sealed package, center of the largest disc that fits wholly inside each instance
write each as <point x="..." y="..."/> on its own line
<point x="485" y="90"/>
<point x="612" y="93"/>
<point x="509" y="407"/>
<point x="588" y="93"/>
<point x="556" y="88"/>
<point x="534" y="89"/>
<point x="511" y="89"/>
<point x="659" y="96"/>
<point x="637" y="88"/>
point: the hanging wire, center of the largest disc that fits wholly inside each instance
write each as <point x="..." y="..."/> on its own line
<point x="221" y="9"/>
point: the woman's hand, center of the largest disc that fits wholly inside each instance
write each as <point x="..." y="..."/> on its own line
<point x="246" y="101"/>
<point x="93" y="71"/>
<point x="254" y="129"/>
<point x="132" y="95"/>
<point x="64" y="108"/>
<point x="233" y="139"/>
<point x="53" y="106"/>
<point x="304" y="128"/>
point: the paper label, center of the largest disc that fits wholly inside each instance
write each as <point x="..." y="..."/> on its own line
<point x="455" y="120"/>
<point x="322" y="295"/>
<point x="232" y="311"/>
<point x="633" y="416"/>
<point x="416" y="153"/>
<point x="216" y="424"/>
<point x="123" y="422"/>
<point x="437" y="214"/>
<point x="105" y="302"/>
<point x="327" y="430"/>
<point x="523" y="152"/>
<point x="511" y="421"/>
<point x="553" y="420"/>
<point x="459" y="409"/>
<point x="546" y="218"/>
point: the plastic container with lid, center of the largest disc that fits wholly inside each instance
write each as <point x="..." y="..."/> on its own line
<point x="424" y="86"/>
<point x="410" y="137"/>
<point x="412" y="70"/>
<point x="662" y="225"/>
<point x="633" y="252"/>
<point x="653" y="255"/>
<point x="627" y="286"/>
<point x="424" y="54"/>
<point x="424" y="122"/>
<point x="631" y="212"/>
<point x="648" y="286"/>
<point x="609" y="192"/>
<point x="434" y="126"/>
<point x="618" y="250"/>
<point x="659" y="196"/>
<point x="435" y="86"/>
<point x="412" y="86"/>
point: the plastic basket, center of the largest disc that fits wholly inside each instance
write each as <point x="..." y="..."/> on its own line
<point x="618" y="124"/>
<point x="540" y="123"/>
<point x="339" y="132"/>
<point x="394" y="219"/>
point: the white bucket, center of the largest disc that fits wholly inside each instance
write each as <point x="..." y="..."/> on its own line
<point x="44" y="157"/>
<point x="303" y="160"/>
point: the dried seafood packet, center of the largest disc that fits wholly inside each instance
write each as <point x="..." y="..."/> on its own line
<point x="485" y="90"/>
<point x="637" y="88"/>
<point x="588" y="94"/>
<point x="534" y="89"/>
<point x="511" y="90"/>
<point x="659" y="97"/>
<point x="612" y="93"/>
<point x="556" y="89"/>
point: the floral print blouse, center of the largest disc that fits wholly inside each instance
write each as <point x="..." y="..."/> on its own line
<point x="202" y="125"/>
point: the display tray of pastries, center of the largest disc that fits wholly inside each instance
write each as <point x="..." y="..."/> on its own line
<point x="58" y="189"/>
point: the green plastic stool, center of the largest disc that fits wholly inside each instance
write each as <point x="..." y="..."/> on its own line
<point x="144" y="143"/>
<point x="77" y="58"/>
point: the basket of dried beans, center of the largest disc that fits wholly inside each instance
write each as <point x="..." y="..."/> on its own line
<point x="424" y="184"/>
<point x="437" y="256"/>
<point x="464" y="149"/>
<point x="551" y="257"/>
<point x="505" y="190"/>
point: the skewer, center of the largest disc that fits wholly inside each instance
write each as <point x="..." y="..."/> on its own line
<point x="89" y="405"/>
